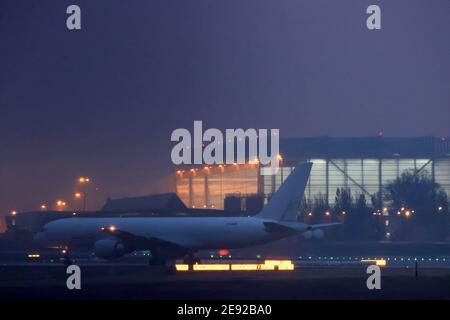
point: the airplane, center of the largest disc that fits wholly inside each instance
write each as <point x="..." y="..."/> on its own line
<point x="170" y="238"/>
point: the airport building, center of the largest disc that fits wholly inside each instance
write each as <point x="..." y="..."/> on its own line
<point x="364" y="165"/>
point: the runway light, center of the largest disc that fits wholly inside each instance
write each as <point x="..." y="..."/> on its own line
<point x="268" y="265"/>
<point x="182" y="267"/>
<point x="377" y="262"/>
<point x="244" y="267"/>
<point x="211" y="267"/>
<point x="281" y="264"/>
<point x="112" y="228"/>
<point x="34" y="255"/>
<point x="13" y="213"/>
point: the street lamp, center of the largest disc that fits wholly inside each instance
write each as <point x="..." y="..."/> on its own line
<point x="60" y="204"/>
<point x="79" y="195"/>
<point x="83" y="180"/>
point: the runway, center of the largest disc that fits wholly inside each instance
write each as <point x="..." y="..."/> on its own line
<point x="138" y="281"/>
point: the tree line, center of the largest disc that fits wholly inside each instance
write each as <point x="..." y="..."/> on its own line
<point x="412" y="207"/>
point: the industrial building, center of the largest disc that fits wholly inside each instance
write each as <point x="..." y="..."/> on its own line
<point x="364" y="165"/>
<point x="156" y="205"/>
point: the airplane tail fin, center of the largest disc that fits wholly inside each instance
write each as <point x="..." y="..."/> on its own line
<point x="284" y="204"/>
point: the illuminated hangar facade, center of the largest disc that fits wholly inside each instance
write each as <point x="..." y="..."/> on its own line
<point x="364" y="165"/>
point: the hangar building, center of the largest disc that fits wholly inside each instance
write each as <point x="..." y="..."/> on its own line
<point x="362" y="164"/>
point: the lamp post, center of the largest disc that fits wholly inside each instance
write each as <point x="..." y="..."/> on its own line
<point x="407" y="215"/>
<point x="80" y="195"/>
<point x="60" y="205"/>
<point x="83" y="181"/>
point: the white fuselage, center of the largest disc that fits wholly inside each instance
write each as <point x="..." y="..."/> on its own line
<point x="277" y="220"/>
<point x="186" y="232"/>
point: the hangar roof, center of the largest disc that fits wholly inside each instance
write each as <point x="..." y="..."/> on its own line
<point x="365" y="147"/>
<point x="145" y="203"/>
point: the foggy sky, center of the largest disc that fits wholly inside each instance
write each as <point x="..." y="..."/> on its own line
<point x="103" y="101"/>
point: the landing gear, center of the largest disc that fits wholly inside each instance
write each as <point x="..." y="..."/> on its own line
<point x="170" y="269"/>
<point x="65" y="259"/>
<point x="191" y="259"/>
<point x="155" y="261"/>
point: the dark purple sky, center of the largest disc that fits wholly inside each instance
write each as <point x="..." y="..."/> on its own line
<point x="103" y="101"/>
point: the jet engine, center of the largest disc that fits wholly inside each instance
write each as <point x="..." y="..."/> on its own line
<point x="110" y="249"/>
<point x="316" y="234"/>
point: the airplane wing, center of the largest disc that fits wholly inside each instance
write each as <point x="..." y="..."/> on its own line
<point x="323" y="225"/>
<point x="138" y="242"/>
<point x="296" y="226"/>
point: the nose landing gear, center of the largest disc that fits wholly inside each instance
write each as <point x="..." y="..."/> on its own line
<point x="65" y="258"/>
<point x="191" y="258"/>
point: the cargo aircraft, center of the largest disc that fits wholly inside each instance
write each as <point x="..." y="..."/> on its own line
<point x="170" y="238"/>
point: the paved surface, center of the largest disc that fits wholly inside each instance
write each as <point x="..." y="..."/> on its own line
<point x="137" y="281"/>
